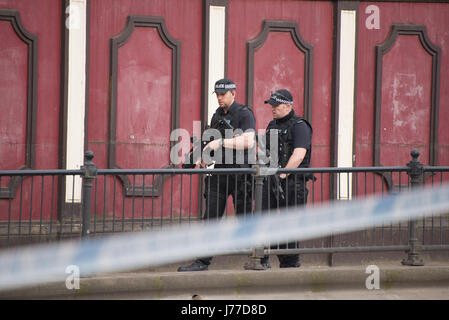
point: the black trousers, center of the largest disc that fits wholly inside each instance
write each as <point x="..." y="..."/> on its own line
<point x="291" y="193"/>
<point x="218" y="188"/>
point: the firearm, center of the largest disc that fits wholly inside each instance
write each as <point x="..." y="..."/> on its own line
<point x="274" y="180"/>
<point x="192" y="156"/>
<point x="221" y="125"/>
<point x="276" y="187"/>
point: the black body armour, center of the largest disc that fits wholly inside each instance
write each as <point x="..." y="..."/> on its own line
<point x="285" y="139"/>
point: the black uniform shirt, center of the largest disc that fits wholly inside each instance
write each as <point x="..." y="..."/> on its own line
<point x="302" y="135"/>
<point x="240" y="118"/>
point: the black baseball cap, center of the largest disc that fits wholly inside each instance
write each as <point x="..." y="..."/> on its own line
<point x="224" y="85"/>
<point x="280" y="96"/>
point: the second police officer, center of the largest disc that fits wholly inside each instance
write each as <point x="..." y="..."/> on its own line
<point x="294" y="135"/>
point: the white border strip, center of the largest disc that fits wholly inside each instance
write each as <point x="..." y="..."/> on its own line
<point x="217" y="28"/>
<point x="76" y="94"/>
<point x="346" y="100"/>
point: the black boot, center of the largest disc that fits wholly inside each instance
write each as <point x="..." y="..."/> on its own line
<point x="197" y="265"/>
<point x="265" y="262"/>
<point x="289" y="261"/>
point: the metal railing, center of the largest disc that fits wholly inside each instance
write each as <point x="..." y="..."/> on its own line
<point x="48" y="205"/>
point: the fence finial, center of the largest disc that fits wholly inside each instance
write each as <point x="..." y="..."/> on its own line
<point x="415" y="154"/>
<point x="88" y="156"/>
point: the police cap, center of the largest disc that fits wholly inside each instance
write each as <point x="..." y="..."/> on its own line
<point x="224" y="85"/>
<point x="280" y="96"/>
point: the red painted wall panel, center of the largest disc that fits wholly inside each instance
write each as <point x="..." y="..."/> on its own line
<point x="13" y="102"/>
<point x="278" y="64"/>
<point x="434" y="17"/>
<point x="144" y="101"/>
<point x="406" y="92"/>
<point x="43" y="19"/>
<point x="108" y="18"/>
<point x="315" y="22"/>
<point x="183" y="20"/>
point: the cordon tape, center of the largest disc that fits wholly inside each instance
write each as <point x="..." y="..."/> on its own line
<point x="43" y="263"/>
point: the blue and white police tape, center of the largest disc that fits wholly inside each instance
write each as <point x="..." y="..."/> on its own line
<point x="47" y="263"/>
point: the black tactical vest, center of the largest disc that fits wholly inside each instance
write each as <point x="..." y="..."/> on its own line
<point x="285" y="139"/>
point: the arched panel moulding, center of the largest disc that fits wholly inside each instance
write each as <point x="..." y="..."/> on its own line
<point x="397" y="35"/>
<point x="31" y="41"/>
<point x="174" y="46"/>
<point x="253" y="45"/>
<point x="435" y="54"/>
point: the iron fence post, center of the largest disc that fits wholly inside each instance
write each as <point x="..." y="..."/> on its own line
<point x="415" y="173"/>
<point x="90" y="173"/>
<point x="254" y="262"/>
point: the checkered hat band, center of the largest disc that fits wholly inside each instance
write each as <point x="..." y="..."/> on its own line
<point x="225" y="86"/>
<point x="277" y="99"/>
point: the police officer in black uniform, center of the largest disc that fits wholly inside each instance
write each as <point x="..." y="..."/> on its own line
<point x="294" y="135"/>
<point x="219" y="187"/>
